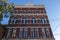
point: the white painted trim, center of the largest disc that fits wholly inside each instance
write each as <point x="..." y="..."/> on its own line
<point x="28" y="14"/>
<point x="29" y="6"/>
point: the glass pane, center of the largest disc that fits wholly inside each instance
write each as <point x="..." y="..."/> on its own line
<point x="25" y="33"/>
<point x="32" y="33"/>
<point x="48" y="32"/>
<point x="33" y="20"/>
<point x="43" y="33"/>
<point x="36" y="33"/>
<point x="9" y="33"/>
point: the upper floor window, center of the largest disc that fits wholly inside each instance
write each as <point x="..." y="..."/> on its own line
<point x="32" y="33"/>
<point x="42" y="11"/>
<point x="18" y="11"/>
<point x="21" y="33"/>
<point x="36" y="33"/>
<point x="14" y="20"/>
<point x="43" y="33"/>
<point x="24" y="20"/>
<point x="29" y="11"/>
<point x="47" y="32"/>
<point x="15" y="11"/>
<point x="25" y="33"/>
<point x="37" y="11"/>
<point x="33" y="20"/>
<point x="42" y="20"/>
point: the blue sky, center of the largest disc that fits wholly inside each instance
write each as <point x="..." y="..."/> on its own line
<point x="53" y="12"/>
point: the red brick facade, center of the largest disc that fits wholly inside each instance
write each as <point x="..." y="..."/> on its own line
<point x="36" y="13"/>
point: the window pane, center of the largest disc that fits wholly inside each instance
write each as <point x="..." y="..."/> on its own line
<point x="20" y="33"/>
<point x="24" y="20"/>
<point x="15" y="12"/>
<point x="14" y="33"/>
<point x="25" y="33"/>
<point x="43" y="33"/>
<point x="36" y="33"/>
<point x="33" y="20"/>
<point x="48" y="32"/>
<point x="32" y="33"/>
<point x="14" y="20"/>
<point x="42" y="20"/>
<point x="9" y="33"/>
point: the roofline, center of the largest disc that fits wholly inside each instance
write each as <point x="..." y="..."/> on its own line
<point x="29" y="6"/>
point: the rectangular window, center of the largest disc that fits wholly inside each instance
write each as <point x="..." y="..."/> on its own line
<point x="32" y="33"/>
<point x="9" y="33"/>
<point x="14" y="33"/>
<point x="47" y="32"/>
<point x="36" y="33"/>
<point x="20" y="33"/>
<point x="43" y="33"/>
<point x="25" y="33"/>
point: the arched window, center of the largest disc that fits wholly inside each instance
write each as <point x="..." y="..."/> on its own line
<point x="33" y="20"/>
<point x="24" y="20"/>
<point x="14" y="20"/>
<point x="42" y="20"/>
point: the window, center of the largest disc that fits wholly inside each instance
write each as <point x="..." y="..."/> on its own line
<point x="41" y="11"/>
<point x="18" y="11"/>
<point x="25" y="33"/>
<point x="47" y="32"/>
<point x="43" y="33"/>
<point x="42" y="20"/>
<point x="22" y="11"/>
<point x="24" y="20"/>
<point x="36" y="33"/>
<point x="14" y="33"/>
<point x="21" y="33"/>
<point x="37" y="11"/>
<point x="29" y="11"/>
<point x="15" y="12"/>
<point x="34" y="11"/>
<point x="32" y="33"/>
<point x="9" y="33"/>
<point x="14" y="20"/>
<point x="33" y="20"/>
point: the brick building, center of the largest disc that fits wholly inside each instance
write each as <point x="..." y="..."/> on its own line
<point x="28" y="22"/>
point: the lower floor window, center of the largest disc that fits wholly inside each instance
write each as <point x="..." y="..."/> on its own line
<point x="36" y="33"/>
<point x="43" y="33"/>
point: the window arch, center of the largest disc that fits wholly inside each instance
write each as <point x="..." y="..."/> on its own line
<point x="33" y="20"/>
<point x="24" y="20"/>
<point x="15" y="20"/>
<point x="42" y="20"/>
